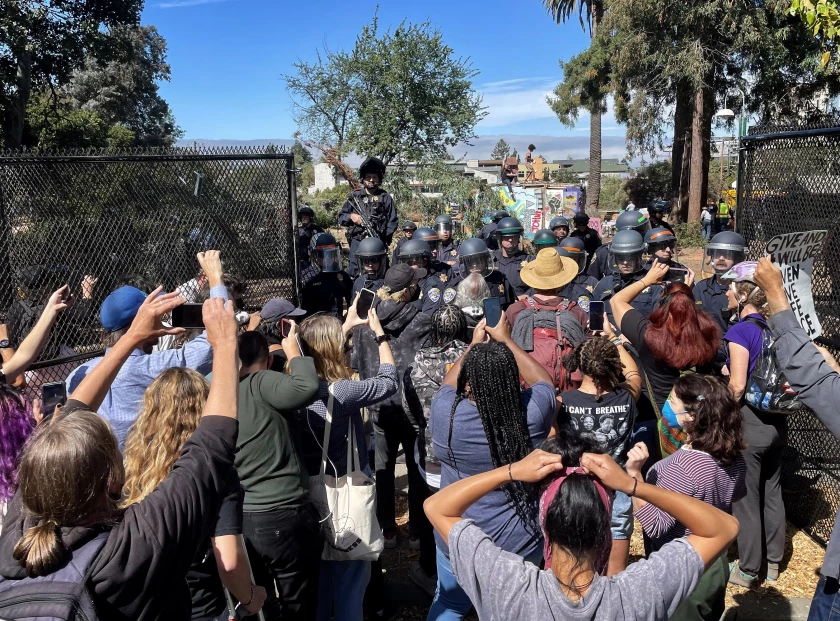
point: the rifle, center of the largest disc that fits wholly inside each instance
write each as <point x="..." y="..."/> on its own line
<point x="365" y="218"/>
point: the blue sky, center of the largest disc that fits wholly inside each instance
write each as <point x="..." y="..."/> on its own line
<point x="227" y="58"/>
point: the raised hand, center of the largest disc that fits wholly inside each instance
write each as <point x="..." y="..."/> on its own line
<point x="59" y="301"/>
<point x="657" y="273"/>
<point x="610" y="473"/>
<point x="220" y="322"/>
<point x="536" y="466"/>
<point x="636" y="458"/>
<point x="148" y="323"/>
<point x="211" y="263"/>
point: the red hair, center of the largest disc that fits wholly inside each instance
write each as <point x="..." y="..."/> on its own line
<point x="680" y="335"/>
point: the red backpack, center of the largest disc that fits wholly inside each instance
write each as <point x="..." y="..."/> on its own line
<point x="550" y="346"/>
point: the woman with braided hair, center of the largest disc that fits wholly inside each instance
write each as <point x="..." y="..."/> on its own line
<point x="608" y="394"/>
<point x="481" y="420"/>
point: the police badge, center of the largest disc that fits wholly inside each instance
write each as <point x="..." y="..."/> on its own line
<point x="434" y="294"/>
<point x="448" y="296"/>
<point x="442" y="278"/>
<point x="583" y="302"/>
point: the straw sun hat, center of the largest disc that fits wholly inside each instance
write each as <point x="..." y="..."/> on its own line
<point x="549" y="270"/>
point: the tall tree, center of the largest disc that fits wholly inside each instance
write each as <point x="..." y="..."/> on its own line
<point x="301" y="153"/>
<point x="591" y="13"/>
<point x="42" y="43"/>
<point x="501" y="150"/>
<point x="401" y="95"/>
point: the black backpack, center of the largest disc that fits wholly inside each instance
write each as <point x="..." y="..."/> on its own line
<point x="767" y="388"/>
<point x="61" y="596"/>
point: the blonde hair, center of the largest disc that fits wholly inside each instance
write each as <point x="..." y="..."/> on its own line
<point x="385" y="294"/>
<point x="172" y="408"/>
<point x="755" y="296"/>
<point x="323" y="338"/>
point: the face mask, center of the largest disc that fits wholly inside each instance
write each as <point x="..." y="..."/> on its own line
<point x="671" y="416"/>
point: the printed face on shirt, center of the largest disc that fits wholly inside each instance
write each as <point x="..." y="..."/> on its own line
<point x="588" y="423"/>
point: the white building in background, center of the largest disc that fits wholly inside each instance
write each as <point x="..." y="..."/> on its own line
<point x="324" y="179"/>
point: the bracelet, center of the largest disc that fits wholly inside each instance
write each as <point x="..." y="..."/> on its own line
<point x="635" y="484"/>
<point x="383" y="339"/>
<point x="248" y="603"/>
<point x="510" y="474"/>
<point x="616" y="341"/>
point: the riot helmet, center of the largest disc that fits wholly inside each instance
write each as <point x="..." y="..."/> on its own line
<point x="564" y="252"/>
<point x="372" y="165"/>
<point x="581" y="219"/>
<point x="725" y="250"/>
<point x="627" y="248"/>
<point x="306" y="210"/>
<point x="576" y="249"/>
<point x="371" y="254"/>
<point x="430" y="237"/>
<point x="509" y="230"/>
<point x="661" y="243"/>
<point x="443" y="227"/>
<point x="474" y="256"/>
<point x="659" y="209"/>
<point x="415" y="252"/>
<point x="544" y="238"/>
<point x="560" y="226"/>
<point x="499" y="215"/>
<point x="632" y="221"/>
<point x="325" y="252"/>
<point x="408" y="225"/>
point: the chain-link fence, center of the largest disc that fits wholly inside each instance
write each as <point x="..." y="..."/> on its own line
<point x="789" y="181"/>
<point x="96" y="221"/>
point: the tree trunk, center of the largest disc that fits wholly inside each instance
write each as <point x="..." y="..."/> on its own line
<point x="16" y="113"/>
<point x="695" y="189"/>
<point x="680" y="153"/>
<point x="593" y="186"/>
<point x="708" y="115"/>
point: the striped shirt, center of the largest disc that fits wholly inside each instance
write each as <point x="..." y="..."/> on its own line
<point x="696" y="474"/>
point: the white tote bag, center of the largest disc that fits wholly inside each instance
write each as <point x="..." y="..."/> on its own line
<point x="347" y="505"/>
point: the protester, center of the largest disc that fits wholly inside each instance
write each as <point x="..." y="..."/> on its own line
<point x="481" y="420"/>
<point x="407" y="329"/>
<point x="510" y="173"/>
<point x="17" y="422"/>
<point x="469" y="297"/>
<point x="172" y="408"/>
<point x="627" y="248"/>
<point x="707" y="216"/>
<point x="124" y="400"/>
<point x="603" y="263"/>
<point x="510" y="257"/>
<point x="325" y="287"/>
<point x="709" y="467"/>
<point x="71" y="475"/>
<point x="676" y="338"/>
<point x="589" y="236"/>
<point x="547" y="275"/>
<point x="576" y="523"/>
<point x="488" y="231"/>
<point x="448" y="252"/>
<point x="612" y="403"/>
<point x="816" y="381"/>
<point x="372" y="256"/>
<point x="531" y="175"/>
<point x="281" y="525"/>
<point x="270" y="325"/>
<point x="408" y="229"/>
<point x="476" y="258"/>
<point x="761" y="510"/>
<point x="342" y="583"/>
<point x="369" y="211"/>
<point x="420" y="382"/>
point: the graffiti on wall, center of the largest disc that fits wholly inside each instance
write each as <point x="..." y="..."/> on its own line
<point x="563" y="201"/>
<point x="526" y="206"/>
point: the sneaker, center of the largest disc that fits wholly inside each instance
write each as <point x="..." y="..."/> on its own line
<point x="390" y="539"/>
<point x="772" y="572"/>
<point x="421" y="579"/>
<point x="741" y="579"/>
<point x="414" y="542"/>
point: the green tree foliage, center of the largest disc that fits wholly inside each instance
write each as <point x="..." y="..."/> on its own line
<point x="501" y="150"/>
<point x="651" y="182"/>
<point x="613" y="195"/>
<point x="564" y="175"/>
<point x="301" y="153"/>
<point x="399" y="94"/>
<point x="42" y="43"/>
<point x="307" y="176"/>
<point x="822" y="18"/>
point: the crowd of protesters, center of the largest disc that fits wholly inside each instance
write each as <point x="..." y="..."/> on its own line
<point x="249" y="467"/>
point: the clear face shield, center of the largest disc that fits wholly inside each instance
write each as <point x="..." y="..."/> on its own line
<point x="642" y="228"/>
<point x="628" y="263"/>
<point x="444" y="230"/>
<point x="372" y="266"/>
<point x="328" y="259"/>
<point x="476" y="263"/>
<point x="578" y="256"/>
<point x="663" y="251"/>
<point x="509" y="242"/>
<point x="413" y="260"/>
<point x="434" y="244"/>
<point x="722" y="259"/>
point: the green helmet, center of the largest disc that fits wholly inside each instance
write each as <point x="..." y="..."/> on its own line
<point x="544" y="238"/>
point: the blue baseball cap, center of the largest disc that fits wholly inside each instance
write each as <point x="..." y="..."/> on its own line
<point x="120" y="308"/>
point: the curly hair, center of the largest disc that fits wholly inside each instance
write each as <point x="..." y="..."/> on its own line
<point x="323" y="339"/>
<point x="172" y="408"/>
<point x="679" y="334"/>
<point x="448" y="324"/>
<point x="16" y="425"/>
<point x="492" y="375"/>
<point x="716" y="427"/>
<point x="598" y="358"/>
<point x="755" y="296"/>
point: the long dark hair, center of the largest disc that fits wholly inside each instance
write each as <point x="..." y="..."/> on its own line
<point x="491" y="372"/>
<point x="679" y="334"/>
<point x="598" y="358"/>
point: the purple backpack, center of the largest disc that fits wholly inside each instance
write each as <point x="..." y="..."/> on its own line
<point x="61" y="596"/>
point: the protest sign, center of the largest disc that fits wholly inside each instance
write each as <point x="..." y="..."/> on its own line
<point x="794" y="254"/>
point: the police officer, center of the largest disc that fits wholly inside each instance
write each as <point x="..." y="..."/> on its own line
<point x="603" y="263"/>
<point x="448" y="251"/>
<point x="370" y="204"/>
<point x="544" y="238"/>
<point x="661" y="245"/>
<point x="657" y="213"/>
<point x="408" y="229"/>
<point x="628" y="248"/>
<point x="372" y="256"/>
<point x="306" y="229"/>
<point x="582" y="288"/>
<point x="476" y="257"/>
<point x="590" y="237"/>
<point x="510" y="258"/>
<point x="327" y="286"/>
<point x="725" y="250"/>
<point x="435" y="265"/>
<point x="488" y="231"/>
<point x="418" y="254"/>
<point x="560" y="226"/>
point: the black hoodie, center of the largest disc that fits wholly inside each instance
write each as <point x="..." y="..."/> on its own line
<point x="409" y="331"/>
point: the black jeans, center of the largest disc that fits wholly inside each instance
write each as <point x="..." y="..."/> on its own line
<point x="285" y="548"/>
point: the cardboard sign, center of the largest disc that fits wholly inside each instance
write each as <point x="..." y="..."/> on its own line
<point x="794" y="254"/>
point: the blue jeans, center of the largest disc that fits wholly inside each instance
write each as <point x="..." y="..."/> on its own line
<point x="451" y="603"/>
<point x="341" y="590"/>
<point x="826" y="604"/>
<point x="707" y="230"/>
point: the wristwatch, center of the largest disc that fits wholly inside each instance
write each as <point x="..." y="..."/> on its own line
<point x="5" y="344"/>
<point x="383" y="339"/>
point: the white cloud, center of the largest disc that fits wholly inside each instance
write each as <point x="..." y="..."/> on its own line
<point x="184" y="3"/>
<point x="510" y="107"/>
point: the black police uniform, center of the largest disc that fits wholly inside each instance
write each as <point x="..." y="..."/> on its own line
<point x="449" y="252"/>
<point x="431" y="294"/>
<point x="305" y="234"/>
<point x="488" y="234"/>
<point x="443" y="271"/>
<point x="362" y="282"/>
<point x="580" y="290"/>
<point x="602" y="263"/>
<point x="664" y="225"/>
<point x="383" y="220"/>
<point x="326" y="292"/>
<point x="499" y="288"/>
<point x="511" y="266"/>
<point x="591" y="241"/>
<point x="646" y="302"/>
<point x="396" y="255"/>
<point x="710" y="296"/>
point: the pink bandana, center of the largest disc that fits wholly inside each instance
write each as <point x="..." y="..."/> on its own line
<point x="547" y="497"/>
